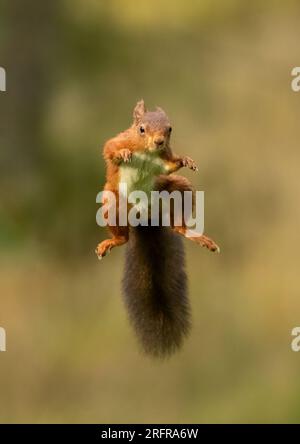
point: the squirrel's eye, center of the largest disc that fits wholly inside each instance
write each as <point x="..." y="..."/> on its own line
<point x="142" y="129"/>
<point x="170" y="130"/>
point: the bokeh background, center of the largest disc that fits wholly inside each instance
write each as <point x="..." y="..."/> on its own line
<point x="222" y="71"/>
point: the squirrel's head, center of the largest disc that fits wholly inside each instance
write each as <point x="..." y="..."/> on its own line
<point x="153" y="127"/>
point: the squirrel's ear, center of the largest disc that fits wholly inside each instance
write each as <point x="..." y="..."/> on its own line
<point x="139" y="111"/>
<point x="160" y="110"/>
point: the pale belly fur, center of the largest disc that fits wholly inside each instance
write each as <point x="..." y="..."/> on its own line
<point x="139" y="174"/>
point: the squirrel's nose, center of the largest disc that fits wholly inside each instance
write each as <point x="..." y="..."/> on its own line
<point x="159" y="141"/>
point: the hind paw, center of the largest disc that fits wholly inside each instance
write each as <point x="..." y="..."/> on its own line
<point x="103" y="249"/>
<point x="208" y="243"/>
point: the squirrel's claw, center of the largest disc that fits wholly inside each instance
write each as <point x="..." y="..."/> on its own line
<point x="125" y="155"/>
<point x="99" y="255"/>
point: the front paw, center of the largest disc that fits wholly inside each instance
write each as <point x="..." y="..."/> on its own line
<point x="124" y="155"/>
<point x="189" y="163"/>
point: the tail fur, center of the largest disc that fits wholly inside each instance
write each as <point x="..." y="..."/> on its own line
<point x="155" y="289"/>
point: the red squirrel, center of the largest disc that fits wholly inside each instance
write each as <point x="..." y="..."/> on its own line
<point x="155" y="283"/>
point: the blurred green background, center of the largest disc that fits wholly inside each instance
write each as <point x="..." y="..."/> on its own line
<point x="222" y="71"/>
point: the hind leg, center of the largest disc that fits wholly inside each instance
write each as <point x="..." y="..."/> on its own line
<point x="203" y="241"/>
<point x="179" y="183"/>
<point x="120" y="237"/>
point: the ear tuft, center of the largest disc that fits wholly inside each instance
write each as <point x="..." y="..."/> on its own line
<point x="139" y="111"/>
<point x="160" y="110"/>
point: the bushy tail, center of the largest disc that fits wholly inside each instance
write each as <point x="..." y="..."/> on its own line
<point x="155" y="289"/>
